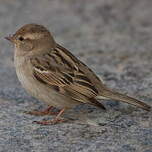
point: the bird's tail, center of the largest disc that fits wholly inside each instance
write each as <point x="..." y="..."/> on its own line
<point x="107" y="93"/>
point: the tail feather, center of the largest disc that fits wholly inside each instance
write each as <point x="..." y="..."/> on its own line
<point x="124" y="98"/>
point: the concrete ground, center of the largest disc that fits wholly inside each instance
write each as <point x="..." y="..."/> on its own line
<point x="114" y="38"/>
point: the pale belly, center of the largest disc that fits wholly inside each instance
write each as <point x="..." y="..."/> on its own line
<point x="41" y="91"/>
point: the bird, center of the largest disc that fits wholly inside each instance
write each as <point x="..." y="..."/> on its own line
<point x="52" y="74"/>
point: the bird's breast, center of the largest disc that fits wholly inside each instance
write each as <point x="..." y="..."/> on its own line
<point x="24" y="73"/>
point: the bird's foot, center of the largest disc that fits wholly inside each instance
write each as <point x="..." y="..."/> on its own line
<point x="56" y="120"/>
<point x="42" y="113"/>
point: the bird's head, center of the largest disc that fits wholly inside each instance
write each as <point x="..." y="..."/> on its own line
<point x="32" y="37"/>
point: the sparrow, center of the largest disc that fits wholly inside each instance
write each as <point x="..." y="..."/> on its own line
<point x="50" y="73"/>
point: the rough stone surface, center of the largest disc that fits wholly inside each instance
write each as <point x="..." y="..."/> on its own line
<point x="114" y="38"/>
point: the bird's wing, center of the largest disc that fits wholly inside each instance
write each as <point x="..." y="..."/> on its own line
<point x="61" y="69"/>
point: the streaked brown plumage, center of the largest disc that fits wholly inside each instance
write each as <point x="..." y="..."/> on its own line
<point x="52" y="74"/>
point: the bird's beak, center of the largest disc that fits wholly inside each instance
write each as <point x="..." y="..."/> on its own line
<point x="9" y="38"/>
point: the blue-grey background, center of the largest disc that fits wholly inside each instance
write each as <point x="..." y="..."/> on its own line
<point x="114" y="38"/>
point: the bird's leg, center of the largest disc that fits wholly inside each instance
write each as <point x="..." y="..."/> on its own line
<point x="56" y="120"/>
<point x="47" y="111"/>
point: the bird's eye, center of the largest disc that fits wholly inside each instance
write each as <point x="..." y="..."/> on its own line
<point x="21" y="38"/>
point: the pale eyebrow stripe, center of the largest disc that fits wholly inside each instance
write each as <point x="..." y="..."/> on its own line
<point x="32" y="36"/>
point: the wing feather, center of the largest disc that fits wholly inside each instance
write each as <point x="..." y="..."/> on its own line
<point x="66" y="74"/>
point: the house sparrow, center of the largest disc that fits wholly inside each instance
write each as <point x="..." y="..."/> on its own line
<point x="50" y="73"/>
